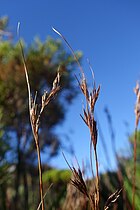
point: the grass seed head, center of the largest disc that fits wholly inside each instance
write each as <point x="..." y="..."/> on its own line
<point x="137" y="106"/>
<point x="112" y="199"/>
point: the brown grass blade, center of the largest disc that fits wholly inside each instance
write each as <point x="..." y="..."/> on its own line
<point x="112" y="199"/>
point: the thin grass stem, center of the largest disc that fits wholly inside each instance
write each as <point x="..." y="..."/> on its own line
<point x="97" y="179"/>
<point x="134" y="170"/>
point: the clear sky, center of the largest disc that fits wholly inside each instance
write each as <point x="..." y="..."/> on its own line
<point x="108" y="33"/>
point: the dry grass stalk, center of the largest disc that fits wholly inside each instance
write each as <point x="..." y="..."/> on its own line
<point x="137" y="115"/>
<point x="75" y="200"/>
<point x="89" y="119"/>
<point x="113" y="141"/>
<point x="79" y="183"/>
<point x="44" y="196"/>
<point x="112" y="199"/>
<point x="35" y="114"/>
<point x="91" y="98"/>
<point x="137" y="106"/>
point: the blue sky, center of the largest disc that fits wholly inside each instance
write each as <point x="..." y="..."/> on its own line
<point x="108" y="33"/>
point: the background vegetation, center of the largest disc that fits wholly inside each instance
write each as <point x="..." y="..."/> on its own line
<point x="18" y="160"/>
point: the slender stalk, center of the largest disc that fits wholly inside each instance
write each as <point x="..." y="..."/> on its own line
<point x="137" y="115"/>
<point x="91" y="203"/>
<point x="40" y="173"/>
<point x="134" y="170"/>
<point x="88" y="117"/>
<point x="97" y="179"/>
<point x="35" y="131"/>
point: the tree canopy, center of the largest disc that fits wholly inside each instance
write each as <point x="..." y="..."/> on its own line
<point x="43" y="61"/>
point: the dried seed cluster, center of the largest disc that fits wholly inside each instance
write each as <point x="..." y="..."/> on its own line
<point x="137" y="106"/>
<point x="46" y="98"/>
<point x="91" y="98"/>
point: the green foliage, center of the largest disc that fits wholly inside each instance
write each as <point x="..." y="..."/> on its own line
<point x="56" y="176"/>
<point x="127" y="167"/>
<point x="56" y="194"/>
<point x="3" y="28"/>
<point x="3" y="22"/>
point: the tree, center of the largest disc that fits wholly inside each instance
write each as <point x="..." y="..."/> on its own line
<point x="57" y="192"/>
<point x="43" y="60"/>
<point x="4" y="167"/>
